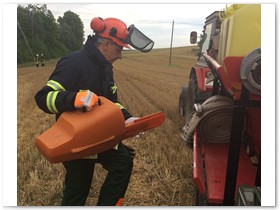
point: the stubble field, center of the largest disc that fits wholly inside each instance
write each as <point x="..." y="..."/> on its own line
<point x="162" y="173"/>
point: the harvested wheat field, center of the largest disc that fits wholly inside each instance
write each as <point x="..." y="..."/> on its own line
<point x="162" y="173"/>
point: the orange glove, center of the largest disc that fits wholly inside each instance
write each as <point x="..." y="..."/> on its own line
<point x="86" y="99"/>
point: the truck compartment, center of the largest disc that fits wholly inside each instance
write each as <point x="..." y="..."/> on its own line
<point x="214" y="158"/>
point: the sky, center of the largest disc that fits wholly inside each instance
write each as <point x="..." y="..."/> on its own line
<point x="154" y="20"/>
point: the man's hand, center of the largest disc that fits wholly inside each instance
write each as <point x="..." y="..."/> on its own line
<point x="130" y="120"/>
<point x="86" y="100"/>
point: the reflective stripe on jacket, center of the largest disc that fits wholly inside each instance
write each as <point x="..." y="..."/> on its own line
<point x="86" y="69"/>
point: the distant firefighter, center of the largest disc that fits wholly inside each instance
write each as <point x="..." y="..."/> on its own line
<point x="36" y="58"/>
<point x="42" y="60"/>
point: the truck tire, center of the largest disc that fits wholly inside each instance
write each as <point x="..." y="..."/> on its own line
<point x="198" y="97"/>
<point x="183" y="100"/>
<point x="191" y="97"/>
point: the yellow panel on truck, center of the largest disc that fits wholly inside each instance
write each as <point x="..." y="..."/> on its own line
<point x="240" y="31"/>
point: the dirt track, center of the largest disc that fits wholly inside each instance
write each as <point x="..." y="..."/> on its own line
<point x="162" y="174"/>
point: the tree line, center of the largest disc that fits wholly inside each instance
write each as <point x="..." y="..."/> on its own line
<point x="39" y="33"/>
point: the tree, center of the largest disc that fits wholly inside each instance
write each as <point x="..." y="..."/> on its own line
<point x="71" y="30"/>
<point x="39" y="33"/>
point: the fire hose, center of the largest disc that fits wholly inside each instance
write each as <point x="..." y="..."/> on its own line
<point x="250" y="71"/>
<point x="212" y="120"/>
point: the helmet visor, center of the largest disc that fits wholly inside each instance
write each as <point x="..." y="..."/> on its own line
<point x="138" y="40"/>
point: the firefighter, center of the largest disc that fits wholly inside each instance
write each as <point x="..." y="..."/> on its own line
<point x="36" y="60"/>
<point x="87" y="74"/>
<point x="42" y="60"/>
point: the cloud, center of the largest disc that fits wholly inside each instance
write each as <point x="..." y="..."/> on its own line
<point x="154" y="20"/>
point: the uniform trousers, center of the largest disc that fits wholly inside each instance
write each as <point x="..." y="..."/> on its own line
<point x="79" y="174"/>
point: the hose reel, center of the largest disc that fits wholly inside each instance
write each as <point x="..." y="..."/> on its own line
<point x="250" y="71"/>
<point x="212" y="120"/>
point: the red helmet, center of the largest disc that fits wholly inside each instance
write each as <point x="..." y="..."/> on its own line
<point x="111" y="28"/>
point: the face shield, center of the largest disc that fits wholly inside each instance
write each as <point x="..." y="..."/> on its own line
<point x="138" y="40"/>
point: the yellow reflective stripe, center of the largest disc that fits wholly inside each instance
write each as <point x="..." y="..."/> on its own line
<point x="116" y="147"/>
<point x="51" y="97"/>
<point x="50" y="101"/>
<point x="119" y="105"/>
<point x="114" y="89"/>
<point x="55" y="85"/>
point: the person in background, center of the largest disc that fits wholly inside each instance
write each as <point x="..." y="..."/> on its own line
<point x="42" y="60"/>
<point x="36" y="58"/>
<point x="76" y="82"/>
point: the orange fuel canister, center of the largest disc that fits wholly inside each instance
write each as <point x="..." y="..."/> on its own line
<point x="80" y="134"/>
